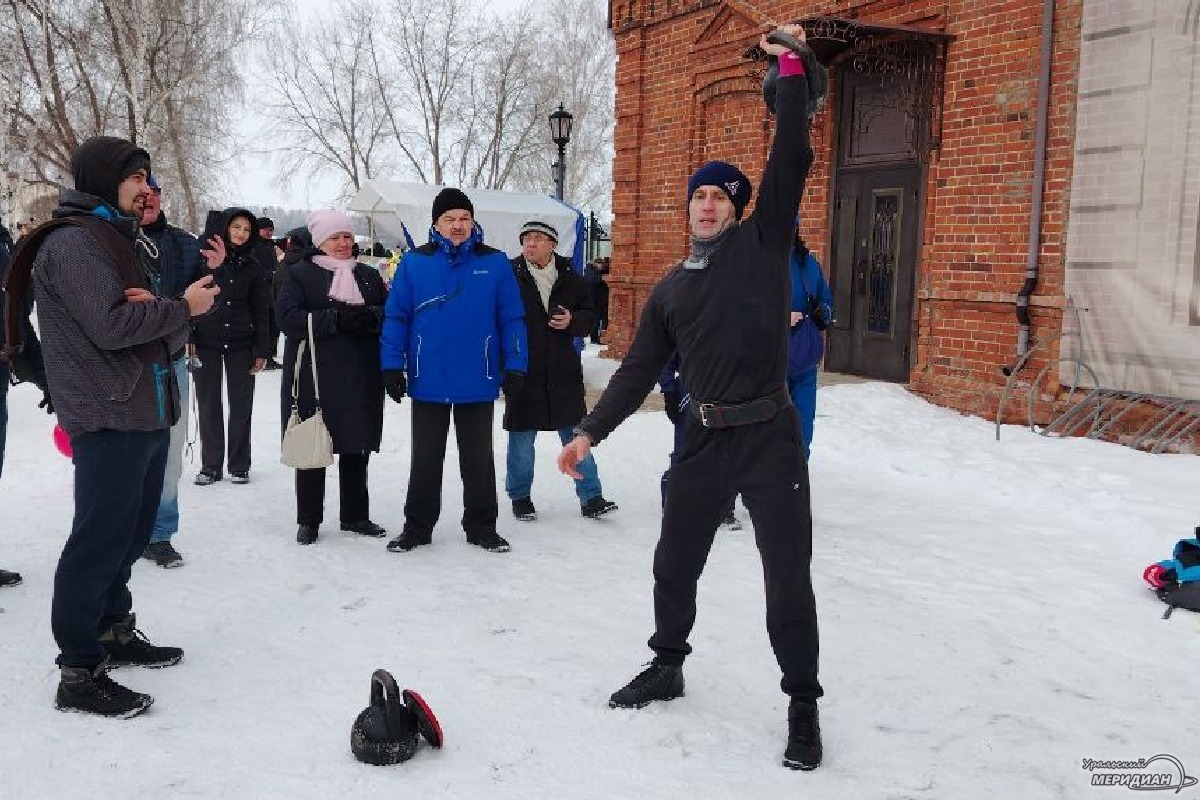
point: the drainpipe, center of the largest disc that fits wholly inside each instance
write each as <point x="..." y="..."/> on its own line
<point x="1039" y="181"/>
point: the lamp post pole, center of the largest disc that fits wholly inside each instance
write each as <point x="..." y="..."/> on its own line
<point x="560" y="134"/>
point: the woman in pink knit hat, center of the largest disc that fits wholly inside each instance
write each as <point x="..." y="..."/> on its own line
<point x="345" y="300"/>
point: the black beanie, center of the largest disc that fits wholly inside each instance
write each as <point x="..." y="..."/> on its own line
<point x="448" y="200"/>
<point x="102" y="162"/>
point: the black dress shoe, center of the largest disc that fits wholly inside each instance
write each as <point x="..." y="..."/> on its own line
<point x="366" y="528"/>
<point x="306" y="534"/>
<point x="408" y="540"/>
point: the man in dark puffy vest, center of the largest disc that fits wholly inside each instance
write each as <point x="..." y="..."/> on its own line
<point x="107" y="342"/>
<point x="171" y="265"/>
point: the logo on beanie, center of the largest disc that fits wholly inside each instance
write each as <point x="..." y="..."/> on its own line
<point x="732" y="187"/>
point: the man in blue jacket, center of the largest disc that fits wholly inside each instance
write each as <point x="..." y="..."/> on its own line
<point x="453" y="337"/>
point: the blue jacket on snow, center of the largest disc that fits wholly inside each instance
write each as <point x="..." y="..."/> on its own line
<point x="454" y="321"/>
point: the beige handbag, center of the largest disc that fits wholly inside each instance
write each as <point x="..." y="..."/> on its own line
<point x="307" y="444"/>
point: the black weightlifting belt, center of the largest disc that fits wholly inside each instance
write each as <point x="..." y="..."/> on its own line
<point x="718" y="415"/>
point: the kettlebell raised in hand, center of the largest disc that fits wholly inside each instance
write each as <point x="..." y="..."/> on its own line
<point x="389" y="729"/>
<point x="815" y="75"/>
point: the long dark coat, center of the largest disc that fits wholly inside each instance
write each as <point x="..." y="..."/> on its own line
<point x="347" y="364"/>
<point x="552" y="396"/>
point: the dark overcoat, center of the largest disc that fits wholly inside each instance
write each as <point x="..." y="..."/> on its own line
<point x="552" y="396"/>
<point x="347" y="363"/>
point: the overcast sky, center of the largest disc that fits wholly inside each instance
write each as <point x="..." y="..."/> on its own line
<point x="250" y="180"/>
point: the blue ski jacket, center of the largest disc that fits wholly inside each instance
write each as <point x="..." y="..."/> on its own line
<point x="454" y="321"/>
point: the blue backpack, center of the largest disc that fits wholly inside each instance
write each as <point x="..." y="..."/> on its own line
<point x="806" y="345"/>
<point x="1176" y="580"/>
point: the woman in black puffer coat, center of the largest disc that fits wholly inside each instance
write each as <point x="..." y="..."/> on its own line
<point x="233" y="339"/>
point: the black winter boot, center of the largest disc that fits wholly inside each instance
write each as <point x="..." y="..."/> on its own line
<point x="9" y="578"/>
<point x="127" y="646"/>
<point x="408" y="540"/>
<point x="597" y="507"/>
<point x="523" y="509"/>
<point x="365" y="527"/>
<point x="655" y="682"/>
<point x="490" y="541"/>
<point x="306" y="534"/>
<point x="91" y="691"/>
<point x="804" y="737"/>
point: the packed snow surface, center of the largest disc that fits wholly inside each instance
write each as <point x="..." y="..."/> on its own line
<point x="984" y="627"/>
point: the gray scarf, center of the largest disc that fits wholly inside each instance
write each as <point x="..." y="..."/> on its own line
<point x="703" y="249"/>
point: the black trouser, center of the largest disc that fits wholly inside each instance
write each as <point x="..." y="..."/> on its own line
<point x="118" y="481"/>
<point x="273" y="331"/>
<point x="476" y="466"/>
<point x="765" y="464"/>
<point x="207" y="384"/>
<point x="352" y="485"/>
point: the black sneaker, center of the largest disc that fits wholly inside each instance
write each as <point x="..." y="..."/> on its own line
<point x="239" y="477"/>
<point x="272" y="364"/>
<point x="597" y="507"/>
<point x="655" y="682"/>
<point x="127" y="646"/>
<point x="523" y="509"/>
<point x="306" y="534"/>
<point x="731" y="522"/>
<point x="408" y="540"/>
<point x="205" y="478"/>
<point x="9" y="578"/>
<point x="490" y="541"/>
<point x="163" y="554"/>
<point x="804" y="737"/>
<point x="91" y="691"/>
<point x="366" y="528"/>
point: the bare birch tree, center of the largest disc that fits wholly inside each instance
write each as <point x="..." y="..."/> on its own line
<point x="446" y="94"/>
<point x="158" y="72"/>
<point x="326" y="111"/>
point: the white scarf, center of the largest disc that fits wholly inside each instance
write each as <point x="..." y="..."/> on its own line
<point x="544" y="278"/>
<point x="344" y="287"/>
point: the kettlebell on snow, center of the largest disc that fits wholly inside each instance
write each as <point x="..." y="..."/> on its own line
<point x="390" y="728"/>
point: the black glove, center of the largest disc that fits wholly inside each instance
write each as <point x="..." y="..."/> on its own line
<point x="395" y="384"/>
<point x="46" y="403"/>
<point x="512" y="383"/>
<point x="357" y="320"/>
<point x="820" y="316"/>
<point x="671" y="402"/>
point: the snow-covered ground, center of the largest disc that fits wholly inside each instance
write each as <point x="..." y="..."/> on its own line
<point x="984" y="627"/>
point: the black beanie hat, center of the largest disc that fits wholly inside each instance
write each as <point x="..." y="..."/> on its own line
<point x="726" y="177"/>
<point x="102" y="162"/>
<point x="450" y="199"/>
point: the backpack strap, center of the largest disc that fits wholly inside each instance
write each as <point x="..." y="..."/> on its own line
<point x="16" y="285"/>
<point x="20" y="273"/>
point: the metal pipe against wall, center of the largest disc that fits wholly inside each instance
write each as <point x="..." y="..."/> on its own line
<point x="1039" y="180"/>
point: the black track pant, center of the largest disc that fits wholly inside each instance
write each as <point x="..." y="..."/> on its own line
<point x="476" y="465"/>
<point x="352" y="485"/>
<point x="236" y="366"/>
<point x="765" y="464"/>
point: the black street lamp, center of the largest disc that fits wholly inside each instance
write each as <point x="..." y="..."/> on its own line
<point x="560" y="134"/>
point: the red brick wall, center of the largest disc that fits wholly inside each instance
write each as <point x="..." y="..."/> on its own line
<point x="683" y="97"/>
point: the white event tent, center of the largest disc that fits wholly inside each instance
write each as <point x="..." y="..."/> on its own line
<point x="394" y="207"/>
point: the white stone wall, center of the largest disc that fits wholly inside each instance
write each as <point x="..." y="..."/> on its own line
<point x="1135" y="196"/>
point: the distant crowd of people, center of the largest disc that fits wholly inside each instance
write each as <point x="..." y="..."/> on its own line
<point x="133" y="312"/>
